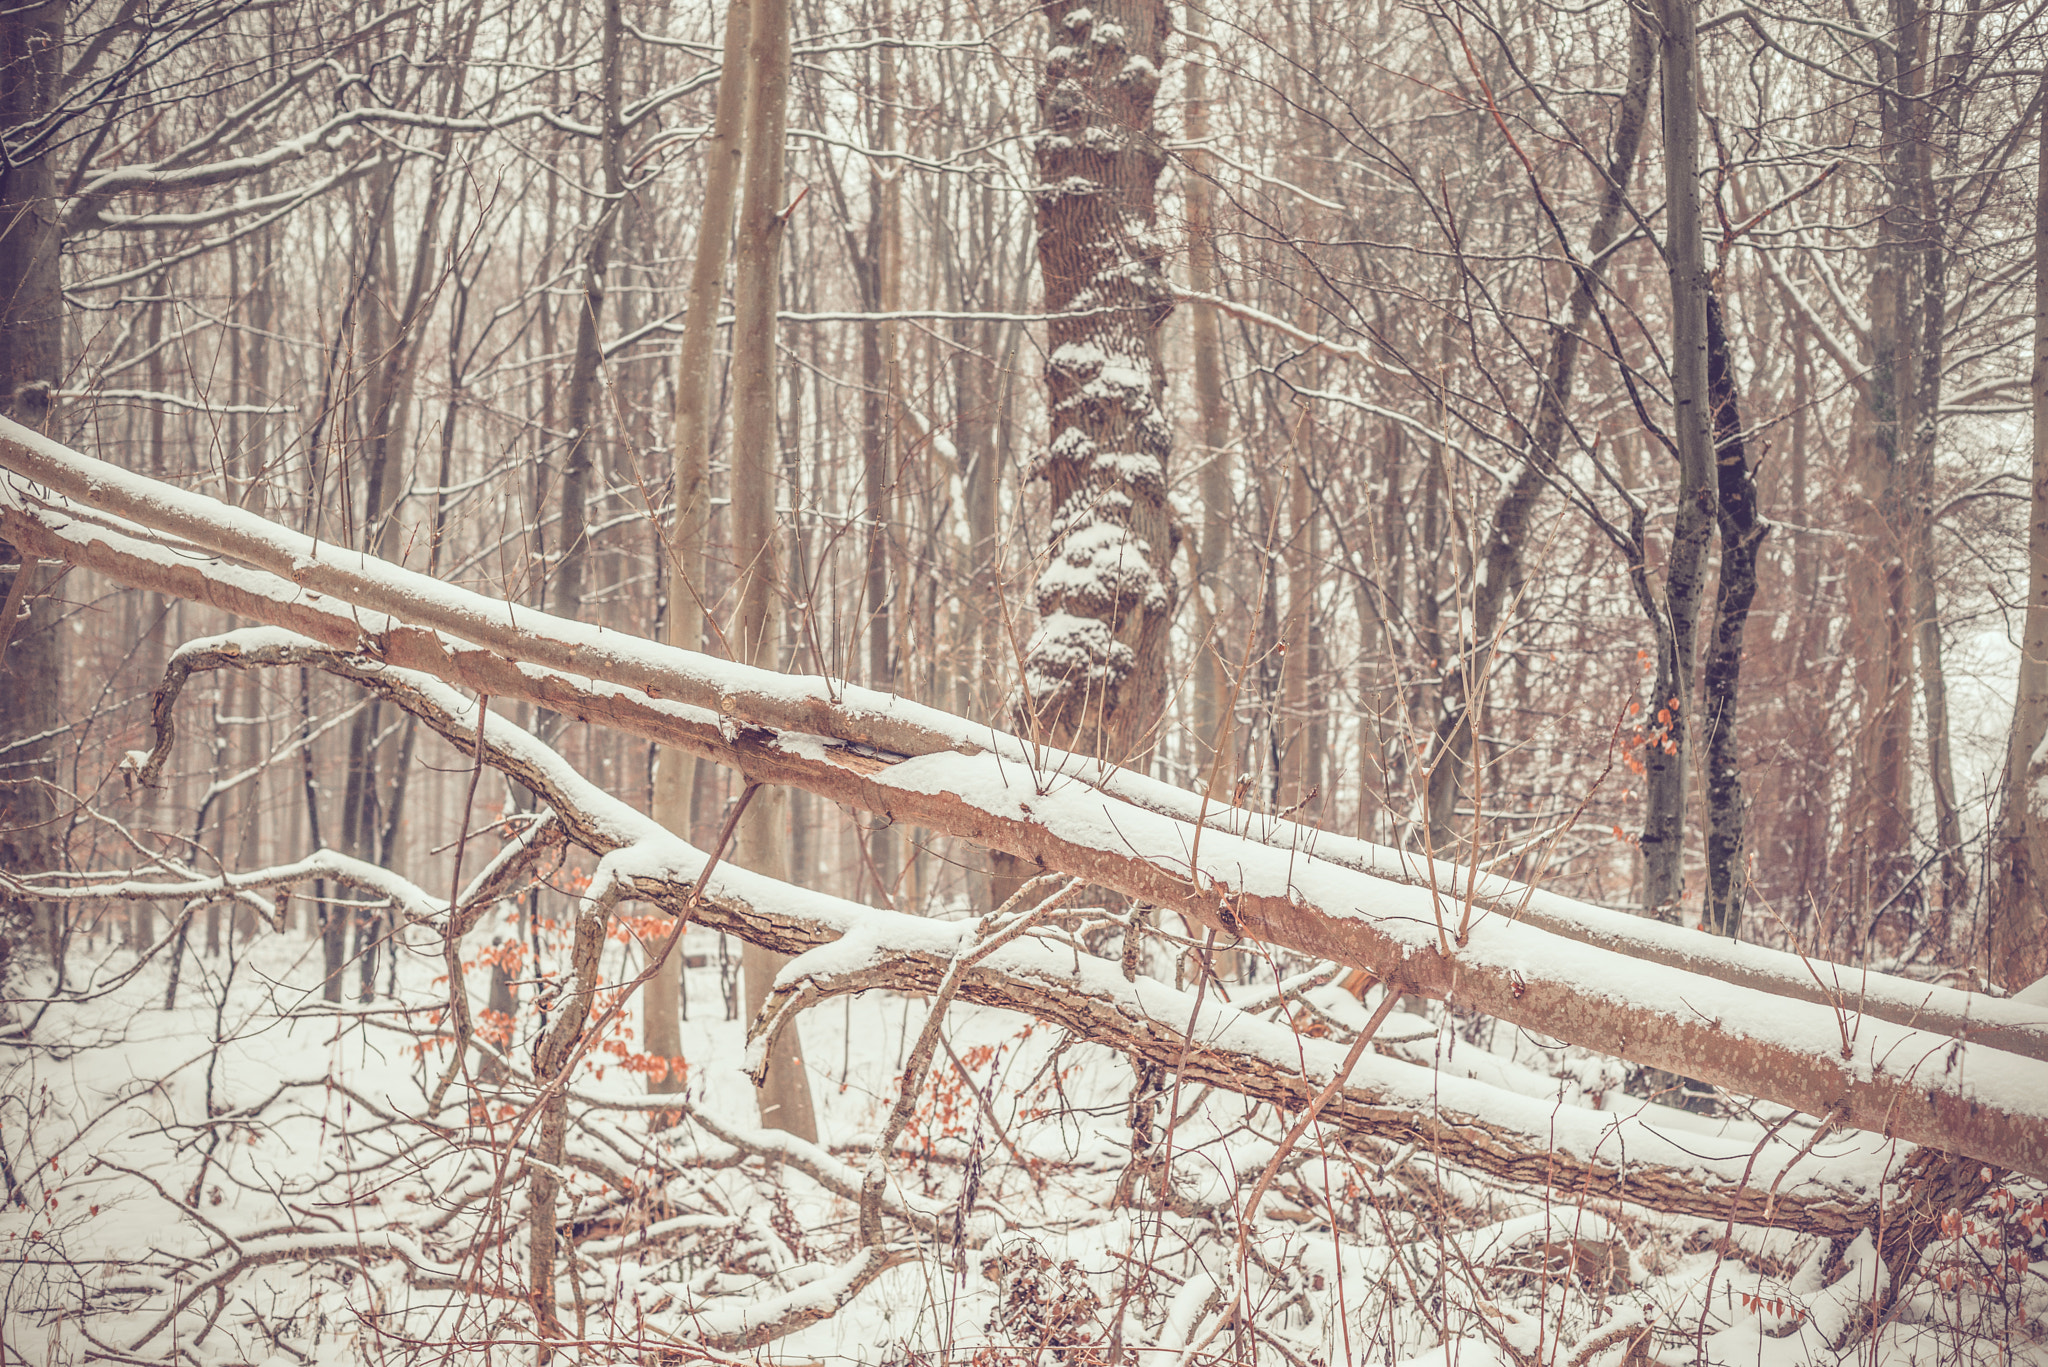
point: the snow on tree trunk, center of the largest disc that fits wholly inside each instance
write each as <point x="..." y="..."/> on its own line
<point x="1095" y="668"/>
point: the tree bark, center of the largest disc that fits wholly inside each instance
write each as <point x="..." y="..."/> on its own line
<point x="878" y="386"/>
<point x="582" y="415"/>
<point x="2016" y="931"/>
<point x="31" y="367"/>
<point x="1920" y="424"/>
<point x="1742" y="531"/>
<point x="678" y="775"/>
<point x="1878" y="826"/>
<point x="1663" y="838"/>
<point x="1206" y="344"/>
<point x="756" y="635"/>
<point x="1095" y="669"/>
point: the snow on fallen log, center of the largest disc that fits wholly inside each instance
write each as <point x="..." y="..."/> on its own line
<point x="423" y="623"/>
<point x="435" y="622"/>
<point x="1741" y="1172"/>
<point x="1978" y="1101"/>
<point x="1827" y="1057"/>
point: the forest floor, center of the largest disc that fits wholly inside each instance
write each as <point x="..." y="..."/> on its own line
<point x="255" y="1176"/>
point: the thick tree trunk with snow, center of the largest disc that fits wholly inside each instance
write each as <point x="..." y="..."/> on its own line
<point x="1095" y="669"/>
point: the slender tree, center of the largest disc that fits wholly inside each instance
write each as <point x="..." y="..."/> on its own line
<point x="2016" y="942"/>
<point x="1664" y="826"/>
<point x="679" y="778"/>
<point x="756" y="631"/>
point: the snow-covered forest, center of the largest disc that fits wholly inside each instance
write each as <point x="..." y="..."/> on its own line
<point x="1287" y="684"/>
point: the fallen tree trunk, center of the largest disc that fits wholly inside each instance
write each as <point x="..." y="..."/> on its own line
<point x="449" y="631"/>
<point x="1584" y="1154"/>
<point x="1825" y="1058"/>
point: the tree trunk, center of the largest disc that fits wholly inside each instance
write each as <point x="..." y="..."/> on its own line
<point x="581" y="400"/>
<point x="756" y="636"/>
<point x="677" y="775"/>
<point x="1878" y="825"/>
<point x="877" y="374"/>
<point x="31" y="365"/>
<point x="1663" y="839"/>
<point x="1742" y="533"/>
<point x="1095" y="669"/>
<point x="2016" y="933"/>
<point x="1920" y="422"/>
<point x="1206" y="343"/>
<point x="1094" y="678"/>
<point x="1292" y="725"/>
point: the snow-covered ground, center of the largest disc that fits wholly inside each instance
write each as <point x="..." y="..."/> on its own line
<point x="254" y="1176"/>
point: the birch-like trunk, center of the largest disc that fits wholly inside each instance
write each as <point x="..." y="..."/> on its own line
<point x="756" y="633"/>
<point x="677" y="775"/>
<point x="1212" y="684"/>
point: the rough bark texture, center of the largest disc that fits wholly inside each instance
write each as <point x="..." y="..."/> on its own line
<point x="31" y="365"/>
<point x="1742" y="532"/>
<point x="1095" y="670"/>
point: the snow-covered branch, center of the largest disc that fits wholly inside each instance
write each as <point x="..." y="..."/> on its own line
<point x="1741" y="1171"/>
<point x="1264" y="880"/>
